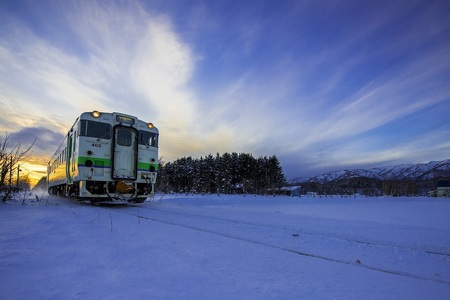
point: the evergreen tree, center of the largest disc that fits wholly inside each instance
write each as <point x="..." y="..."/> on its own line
<point x="227" y="173"/>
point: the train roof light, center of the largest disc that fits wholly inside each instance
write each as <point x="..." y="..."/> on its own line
<point x="150" y="125"/>
<point x="96" y="114"/>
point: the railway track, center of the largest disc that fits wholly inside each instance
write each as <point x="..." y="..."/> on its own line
<point x="380" y="257"/>
<point x="302" y="231"/>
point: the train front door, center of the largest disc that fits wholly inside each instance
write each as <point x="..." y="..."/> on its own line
<point x="124" y="153"/>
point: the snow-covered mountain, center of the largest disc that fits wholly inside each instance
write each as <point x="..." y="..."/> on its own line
<point x="422" y="171"/>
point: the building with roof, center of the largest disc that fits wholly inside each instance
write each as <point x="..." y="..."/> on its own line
<point x="442" y="189"/>
<point x="288" y="190"/>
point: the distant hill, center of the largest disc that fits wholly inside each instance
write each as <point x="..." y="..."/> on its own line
<point x="407" y="179"/>
<point x="423" y="171"/>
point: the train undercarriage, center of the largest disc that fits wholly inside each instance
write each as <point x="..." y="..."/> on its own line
<point x="105" y="192"/>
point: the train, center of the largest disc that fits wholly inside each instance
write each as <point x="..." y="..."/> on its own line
<point x="106" y="158"/>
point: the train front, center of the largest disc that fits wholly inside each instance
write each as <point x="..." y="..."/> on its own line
<point x="119" y="160"/>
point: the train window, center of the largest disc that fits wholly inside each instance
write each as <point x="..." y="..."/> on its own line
<point x="124" y="137"/>
<point x="70" y="145"/>
<point x="148" y="138"/>
<point x="95" y="129"/>
<point x="75" y="141"/>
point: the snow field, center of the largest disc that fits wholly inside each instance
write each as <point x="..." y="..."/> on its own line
<point x="227" y="247"/>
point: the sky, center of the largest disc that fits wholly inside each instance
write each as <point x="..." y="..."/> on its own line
<point x="323" y="85"/>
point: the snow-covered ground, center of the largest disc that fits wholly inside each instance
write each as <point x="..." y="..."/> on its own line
<point x="227" y="247"/>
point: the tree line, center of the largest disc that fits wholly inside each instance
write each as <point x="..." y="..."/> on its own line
<point x="228" y="173"/>
<point x="373" y="187"/>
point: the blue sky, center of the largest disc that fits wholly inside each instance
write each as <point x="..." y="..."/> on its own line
<point x="323" y="85"/>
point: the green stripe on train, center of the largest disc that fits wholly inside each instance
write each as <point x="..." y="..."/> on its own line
<point x="96" y="161"/>
<point x="146" y="166"/>
<point x="106" y="162"/>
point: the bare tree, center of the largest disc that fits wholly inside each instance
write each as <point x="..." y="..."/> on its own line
<point x="9" y="159"/>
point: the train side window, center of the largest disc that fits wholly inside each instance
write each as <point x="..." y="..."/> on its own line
<point x="70" y="148"/>
<point x="74" y="141"/>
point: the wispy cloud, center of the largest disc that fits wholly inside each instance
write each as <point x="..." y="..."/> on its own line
<point x="127" y="60"/>
<point x="313" y="110"/>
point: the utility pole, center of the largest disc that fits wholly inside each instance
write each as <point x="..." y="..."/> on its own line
<point x="17" y="182"/>
<point x="10" y="175"/>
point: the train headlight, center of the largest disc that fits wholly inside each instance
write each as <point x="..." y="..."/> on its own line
<point x="150" y="125"/>
<point x="96" y="114"/>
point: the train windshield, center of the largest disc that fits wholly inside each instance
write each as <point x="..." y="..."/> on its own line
<point x="95" y="129"/>
<point x="148" y="138"/>
<point x="124" y="137"/>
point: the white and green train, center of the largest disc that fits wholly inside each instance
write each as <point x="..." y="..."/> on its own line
<point x="106" y="158"/>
